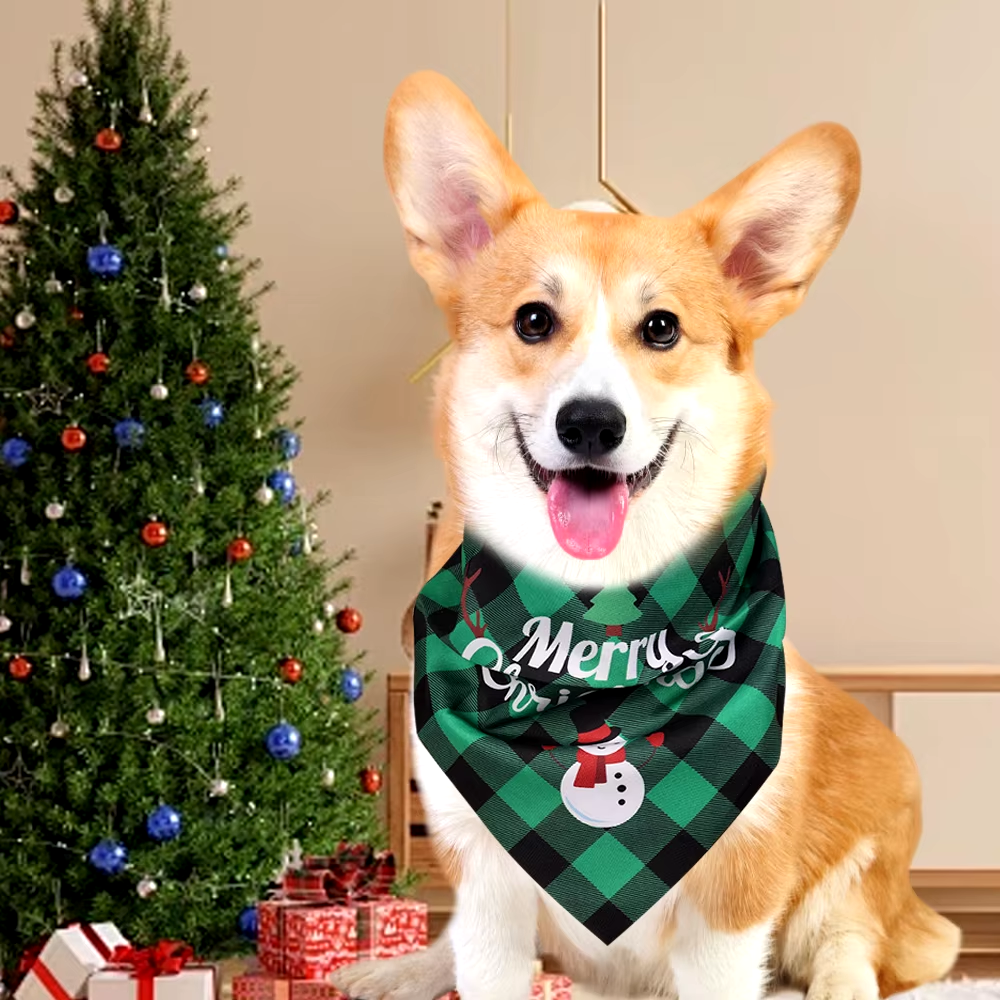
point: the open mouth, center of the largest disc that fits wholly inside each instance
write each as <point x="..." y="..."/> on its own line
<point x="587" y="505"/>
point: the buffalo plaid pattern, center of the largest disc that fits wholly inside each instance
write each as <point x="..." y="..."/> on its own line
<point x="712" y="738"/>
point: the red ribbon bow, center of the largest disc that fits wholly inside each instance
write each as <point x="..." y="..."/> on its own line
<point x="166" y="958"/>
<point x="355" y="872"/>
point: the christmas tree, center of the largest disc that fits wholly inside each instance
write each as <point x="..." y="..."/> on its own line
<point x="613" y="607"/>
<point x="177" y="696"/>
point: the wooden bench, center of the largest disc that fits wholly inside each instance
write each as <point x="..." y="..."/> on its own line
<point x="970" y="897"/>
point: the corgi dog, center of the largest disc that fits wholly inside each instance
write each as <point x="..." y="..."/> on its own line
<point x="597" y="413"/>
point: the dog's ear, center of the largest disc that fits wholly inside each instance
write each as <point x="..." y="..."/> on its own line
<point x="772" y="227"/>
<point x="454" y="184"/>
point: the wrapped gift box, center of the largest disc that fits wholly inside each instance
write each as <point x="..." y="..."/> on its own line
<point x="391" y="926"/>
<point x="305" y="940"/>
<point x="67" y="960"/>
<point x="264" y="986"/>
<point x="194" y="982"/>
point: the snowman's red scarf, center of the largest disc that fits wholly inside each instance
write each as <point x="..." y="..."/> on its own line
<point x="607" y="739"/>
<point x="593" y="768"/>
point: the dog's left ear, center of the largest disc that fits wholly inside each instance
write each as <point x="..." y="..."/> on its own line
<point x="454" y="184"/>
<point x="772" y="228"/>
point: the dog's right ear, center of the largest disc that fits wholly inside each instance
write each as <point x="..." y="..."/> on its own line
<point x="454" y="184"/>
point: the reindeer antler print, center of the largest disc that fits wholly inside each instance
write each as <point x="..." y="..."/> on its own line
<point x="707" y="626"/>
<point x="478" y="628"/>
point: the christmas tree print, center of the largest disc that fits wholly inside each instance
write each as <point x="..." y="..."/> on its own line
<point x="613" y="607"/>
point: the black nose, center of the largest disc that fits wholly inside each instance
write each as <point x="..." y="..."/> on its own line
<point x="590" y="427"/>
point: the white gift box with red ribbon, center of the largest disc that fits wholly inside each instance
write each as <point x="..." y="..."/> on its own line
<point x="70" y="956"/>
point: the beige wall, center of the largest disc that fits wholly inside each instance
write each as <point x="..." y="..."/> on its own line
<point x="887" y="480"/>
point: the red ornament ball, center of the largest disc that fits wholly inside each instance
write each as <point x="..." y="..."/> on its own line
<point x="371" y="780"/>
<point x="8" y="336"/>
<point x="291" y="670"/>
<point x="155" y="534"/>
<point x="74" y="438"/>
<point x="349" y="619"/>
<point x="76" y="314"/>
<point x="240" y="549"/>
<point x="20" y="668"/>
<point x="198" y="372"/>
<point x="98" y="363"/>
<point x="9" y="212"/>
<point x="108" y="140"/>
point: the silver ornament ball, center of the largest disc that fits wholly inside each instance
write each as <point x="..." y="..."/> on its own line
<point x="159" y="392"/>
<point x="328" y="778"/>
<point x="5" y="624"/>
<point x="63" y="194"/>
<point x="53" y="286"/>
<point x="265" y="495"/>
<point x="146" y="887"/>
<point x="54" y="510"/>
<point x="146" y="115"/>
<point x="219" y="788"/>
<point x="192" y="132"/>
<point x="156" y="716"/>
<point x="198" y="292"/>
<point x="318" y="626"/>
<point x="329" y="609"/>
<point x="78" y="78"/>
<point x="25" y="319"/>
<point x="59" y="729"/>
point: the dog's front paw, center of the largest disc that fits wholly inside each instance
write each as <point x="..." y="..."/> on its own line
<point x="419" y="976"/>
<point x="844" y="984"/>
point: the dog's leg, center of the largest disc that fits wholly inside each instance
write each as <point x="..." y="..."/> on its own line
<point x="709" y="964"/>
<point x="493" y="931"/>
<point x="423" y="975"/>
<point x="843" y="969"/>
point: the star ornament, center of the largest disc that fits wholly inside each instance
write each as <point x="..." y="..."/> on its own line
<point x="141" y="599"/>
<point x="47" y="399"/>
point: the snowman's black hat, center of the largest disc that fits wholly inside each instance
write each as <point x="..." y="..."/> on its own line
<point x="591" y="725"/>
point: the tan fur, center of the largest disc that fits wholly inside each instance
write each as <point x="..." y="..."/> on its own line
<point x="826" y="853"/>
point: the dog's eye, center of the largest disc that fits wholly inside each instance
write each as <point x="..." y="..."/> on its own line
<point x="534" y="321"/>
<point x="661" y="329"/>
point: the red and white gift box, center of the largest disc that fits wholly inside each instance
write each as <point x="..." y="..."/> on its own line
<point x="67" y="960"/>
<point x="264" y="986"/>
<point x="390" y="925"/>
<point x="305" y="940"/>
<point x="191" y="983"/>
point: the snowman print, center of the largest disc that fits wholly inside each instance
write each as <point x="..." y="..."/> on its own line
<point x="601" y="788"/>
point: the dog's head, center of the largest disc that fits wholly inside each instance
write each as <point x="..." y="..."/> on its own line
<point x="600" y="407"/>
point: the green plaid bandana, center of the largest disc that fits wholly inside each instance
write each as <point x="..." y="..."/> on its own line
<point x="607" y="738"/>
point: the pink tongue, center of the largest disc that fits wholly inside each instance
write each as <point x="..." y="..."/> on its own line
<point x="587" y="523"/>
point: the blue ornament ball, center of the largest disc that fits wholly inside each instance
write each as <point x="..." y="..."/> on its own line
<point x="105" y="260"/>
<point x="289" y="442"/>
<point x="130" y="433"/>
<point x="15" y="452"/>
<point x="351" y="684"/>
<point x="164" y="823"/>
<point x="108" y="856"/>
<point x="69" y="583"/>
<point x="247" y="923"/>
<point x="283" y="741"/>
<point x="222" y="252"/>
<point x="212" y="412"/>
<point x="283" y="484"/>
